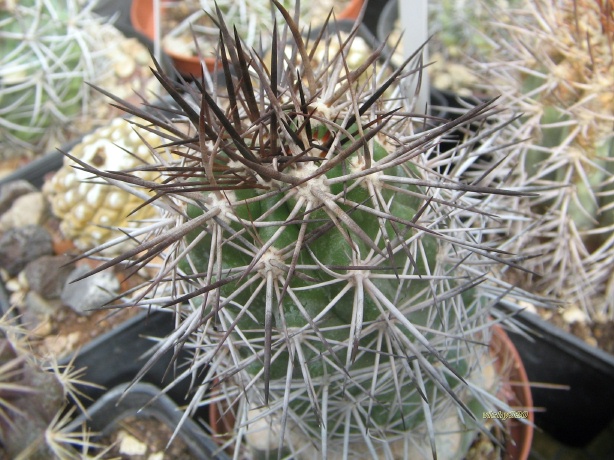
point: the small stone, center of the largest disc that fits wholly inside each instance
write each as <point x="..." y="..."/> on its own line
<point x="90" y="293"/>
<point x="125" y="67"/>
<point x="11" y="191"/>
<point x="43" y="329"/>
<point x="16" y="284"/>
<point x="29" y="209"/>
<point x="591" y="341"/>
<point x="129" y="445"/>
<point x="47" y="275"/>
<point x="40" y="306"/>
<point x="61" y="345"/>
<point x="527" y="306"/>
<point x="19" y="246"/>
<point x="574" y="315"/>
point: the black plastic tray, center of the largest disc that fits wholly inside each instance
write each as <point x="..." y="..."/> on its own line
<point x="572" y="382"/>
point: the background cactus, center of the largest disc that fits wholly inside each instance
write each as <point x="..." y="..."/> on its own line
<point x="34" y="400"/>
<point x="182" y="22"/>
<point x="323" y="256"/>
<point x="555" y="63"/>
<point x="90" y="211"/>
<point x="48" y="50"/>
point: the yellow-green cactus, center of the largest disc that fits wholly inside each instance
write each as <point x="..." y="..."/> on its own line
<point x="91" y="211"/>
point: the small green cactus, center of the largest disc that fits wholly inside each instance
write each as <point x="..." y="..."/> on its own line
<point x="49" y="50"/>
<point x="555" y="63"/>
<point x="323" y="256"/>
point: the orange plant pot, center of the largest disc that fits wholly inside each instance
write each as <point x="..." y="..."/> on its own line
<point x="142" y="18"/>
<point x="516" y="391"/>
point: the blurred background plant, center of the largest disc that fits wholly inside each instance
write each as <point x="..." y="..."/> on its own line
<point x="48" y="51"/>
<point x="554" y="62"/>
<point x="460" y="33"/>
<point x="38" y="399"/>
<point x="187" y="30"/>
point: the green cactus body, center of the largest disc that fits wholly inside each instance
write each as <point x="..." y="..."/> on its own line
<point x="49" y="50"/>
<point x="42" y="67"/>
<point x="324" y="273"/>
<point x="333" y="249"/>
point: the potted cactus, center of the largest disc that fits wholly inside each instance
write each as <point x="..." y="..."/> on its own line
<point x="326" y="262"/>
<point x="37" y="401"/>
<point x="90" y="209"/>
<point x="48" y="51"/>
<point x="562" y="79"/>
<point x="189" y="35"/>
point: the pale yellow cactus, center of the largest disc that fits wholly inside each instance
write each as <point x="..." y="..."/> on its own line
<point x="91" y="212"/>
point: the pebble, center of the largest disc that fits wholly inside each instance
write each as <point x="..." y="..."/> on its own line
<point x="61" y="345"/>
<point x="47" y="275"/>
<point x="11" y="191"/>
<point x="527" y="306"/>
<point x="574" y="314"/>
<point x="129" y="445"/>
<point x="90" y="293"/>
<point x="41" y="306"/>
<point x="28" y="209"/>
<point x="19" y="246"/>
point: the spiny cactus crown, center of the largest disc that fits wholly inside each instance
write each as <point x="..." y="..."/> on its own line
<point x="321" y="253"/>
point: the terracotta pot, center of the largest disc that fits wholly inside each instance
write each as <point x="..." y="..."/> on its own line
<point x="221" y="420"/>
<point x="142" y="17"/>
<point x="516" y="391"/>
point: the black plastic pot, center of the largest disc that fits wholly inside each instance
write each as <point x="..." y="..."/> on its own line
<point x="117" y="356"/>
<point x="583" y="406"/>
<point x="116" y="405"/>
<point x="388" y="15"/>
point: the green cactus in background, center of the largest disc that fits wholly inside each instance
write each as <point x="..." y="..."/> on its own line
<point x="48" y="51"/>
<point x="326" y="261"/>
<point x="458" y="26"/>
<point x="555" y="63"/>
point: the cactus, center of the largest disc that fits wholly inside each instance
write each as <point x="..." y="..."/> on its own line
<point x="555" y="63"/>
<point x="91" y="212"/>
<point x="34" y="401"/>
<point x="324" y="258"/>
<point x="249" y="17"/>
<point x="48" y="51"/>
